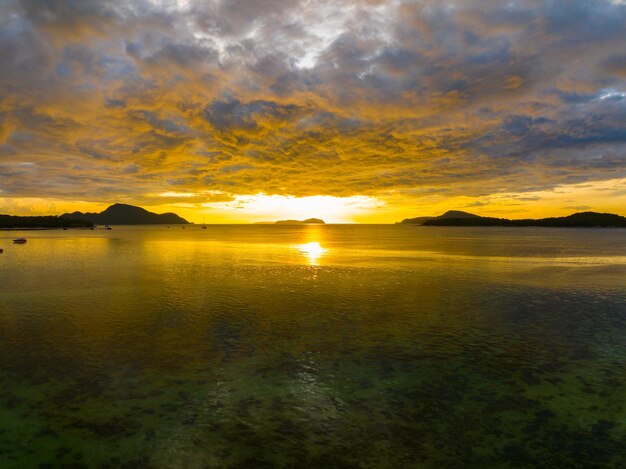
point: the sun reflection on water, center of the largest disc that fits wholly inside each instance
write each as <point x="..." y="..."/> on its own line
<point x="313" y="251"/>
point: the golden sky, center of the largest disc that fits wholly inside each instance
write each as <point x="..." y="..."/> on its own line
<point x="352" y="111"/>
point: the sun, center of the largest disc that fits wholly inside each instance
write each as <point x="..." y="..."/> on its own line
<point x="264" y="207"/>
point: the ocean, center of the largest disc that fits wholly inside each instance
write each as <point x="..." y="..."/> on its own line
<point x="310" y="346"/>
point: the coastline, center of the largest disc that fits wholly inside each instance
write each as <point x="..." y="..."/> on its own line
<point x="44" y="228"/>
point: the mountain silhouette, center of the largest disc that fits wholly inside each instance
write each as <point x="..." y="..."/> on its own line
<point x="308" y="221"/>
<point x="456" y="214"/>
<point x="123" y="214"/>
<point x="576" y="220"/>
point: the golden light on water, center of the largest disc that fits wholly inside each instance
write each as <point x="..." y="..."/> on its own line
<point x="313" y="251"/>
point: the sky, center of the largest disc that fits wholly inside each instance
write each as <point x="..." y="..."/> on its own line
<point x="351" y="111"/>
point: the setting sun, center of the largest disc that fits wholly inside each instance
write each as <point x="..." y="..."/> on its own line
<point x="263" y="207"/>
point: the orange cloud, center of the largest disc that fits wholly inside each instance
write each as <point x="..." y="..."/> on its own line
<point x="406" y="103"/>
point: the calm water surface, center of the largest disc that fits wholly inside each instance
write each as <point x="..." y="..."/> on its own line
<point x="309" y="346"/>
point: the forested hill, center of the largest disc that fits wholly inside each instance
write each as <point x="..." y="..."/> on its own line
<point x="123" y="214"/>
<point x="581" y="219"/>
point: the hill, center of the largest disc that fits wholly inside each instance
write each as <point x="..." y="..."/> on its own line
<point x="576" y="220"/>
<point x="456" y="214"/>
<point x="122" y="214"/>
<point x="308" y="221"/>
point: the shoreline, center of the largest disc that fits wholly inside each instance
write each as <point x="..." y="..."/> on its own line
<point x="44" y="228"/>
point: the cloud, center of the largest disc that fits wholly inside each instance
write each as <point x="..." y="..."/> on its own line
<point x="293" y="98"/>
<point x="232" y="114"/>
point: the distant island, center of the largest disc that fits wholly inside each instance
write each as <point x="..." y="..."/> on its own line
<point x="122" y="214"/>
<point x="41" y="222"/>
<point x="308" y="221"/>
<point x="455" y="214"/>
<point x="576" y="220"/>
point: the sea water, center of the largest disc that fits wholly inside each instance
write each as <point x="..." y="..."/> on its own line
<point x="312" y="346"/>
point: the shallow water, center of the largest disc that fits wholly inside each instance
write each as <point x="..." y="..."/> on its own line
<point x="303" y="346"/>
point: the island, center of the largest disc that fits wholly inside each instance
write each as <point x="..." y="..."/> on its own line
<point x="456" y="214"/>
<point x="123" y="214"/>
<point x="576" y="220"/>
<point x="308" y="221"/>
<point x="14" y="222"/>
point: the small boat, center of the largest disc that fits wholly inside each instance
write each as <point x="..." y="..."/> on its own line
<point x="203" y="227"/>
<point x="107" y="227"/>
<point x="1" y="250"/>
<point x="19" y="241"/>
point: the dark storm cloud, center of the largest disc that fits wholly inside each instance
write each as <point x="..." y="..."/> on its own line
<point x="303" y="98"/>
